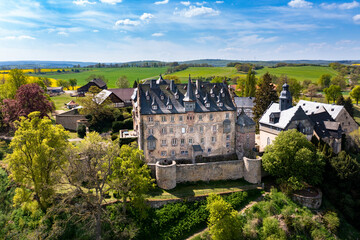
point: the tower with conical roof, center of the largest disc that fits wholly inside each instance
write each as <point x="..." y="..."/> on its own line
<point x="189" y="97"/>
<point x="285" y="100"/>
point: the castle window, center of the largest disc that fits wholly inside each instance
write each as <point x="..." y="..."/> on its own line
<point x="163" y="118"/>
<point x="247" y="141"/>
<point x="268" y="141"/>
<point x="227" y="137"/>
<point x="211" y="117"/>
<point x="183" y="130"/>
<point x="172" y="119"/>
<point x="214" y="128"/>
<point x="148" y="97"/>
<point x="172" y="153"/>
<point x="180" y="118"/>
<point x="227" y="144"/>
<point x="184" y="153"/>
<point x="227" y="115"/>
<point x="162" y="97"/>
<point x="163" y="153"/>
<point x="151" y="144"/>
<point x="163" y="131"/>
<point x="200" y="117"/>
<point x="212" y="95"/>
<point x="154" y="107"/>
<point x="151" y="131"/>
<point x="191" y="129"/>
<point x="150" y="119"/>
<point x="163" y="142"/>
<point x="223" y="95"/>
<point x="209" y="150"/>
<point x="190" y="141"/>
<point x="227" y="126"/>
<point x="201" y="129"/>
<point x="220" y="104"/>
<point x="174" y="141"/>
<point x="213" y="139"/>
<point x="202" y="141"/>
<point x="171" y="130"/>
<point x="169" y="106"/>
<point x="182" y="142"/>
<point x="207" y="105"/>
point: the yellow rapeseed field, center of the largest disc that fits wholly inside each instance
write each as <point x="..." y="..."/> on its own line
<point x="31" y="79"/>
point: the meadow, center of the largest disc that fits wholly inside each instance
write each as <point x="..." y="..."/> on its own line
<point x="111" y="74"/>
<point x="312" y="73"/>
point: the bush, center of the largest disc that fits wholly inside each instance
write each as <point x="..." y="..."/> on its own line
<point x="272" y="229"/>
<point x="332" y="221"/>
<point x="81" y="131"/>
<point x="117" y="126"/>
<point x="128" y="123"/>
<point x="127" y="115"/>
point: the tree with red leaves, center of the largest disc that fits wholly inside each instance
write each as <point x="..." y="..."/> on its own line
<point x="28" y="98"/>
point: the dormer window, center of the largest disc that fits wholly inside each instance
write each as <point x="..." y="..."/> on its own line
<point x="176" y="96"/>
<point x="207" y="105"/>
<point x="154" y="107"/>
<point x="220" y="104"/>
<point x="197" y="95"/>
<point x="162" y="97"/>
<point x="223" y="94"/>
<point x="212" y="95"/>
<point x="169" y="106"/>
<point x="148" y="97"/>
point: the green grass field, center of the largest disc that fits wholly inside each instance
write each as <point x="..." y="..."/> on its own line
<point x="60" y="100"/>
<point x="196" y="72"/>
<point x="112" y="74"/>
<point x="312" y="73"/>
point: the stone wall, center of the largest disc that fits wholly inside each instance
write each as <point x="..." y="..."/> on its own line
<point x="167" y="176"/>
<point x="69" y="122"/>
<point x="310" y="202"/>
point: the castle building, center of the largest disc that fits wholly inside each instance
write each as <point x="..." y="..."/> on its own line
<point x="184" y="121"/>
<point x="309" y="118"/>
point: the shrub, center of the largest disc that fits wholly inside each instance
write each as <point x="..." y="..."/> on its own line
<point x="81" y="131"/>
<point x="117" y="126"/>
<point x="332" y="221"/>
<point x="126" y="115"/>
<point x="272" y="230"/>
<point x="128" y="123"/>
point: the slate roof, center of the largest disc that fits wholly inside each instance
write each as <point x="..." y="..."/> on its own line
<point x="325" y="125"/>
<point x="244" y="102"/>
<point x="285" y="116"/>
<point x="100" y="83"/>
<point x="197" y="148"/>
<point x="312" y="107"/>
<point x="158" y="90"/>
<point x="244" y="121"/>
<point x="125" y="94"/>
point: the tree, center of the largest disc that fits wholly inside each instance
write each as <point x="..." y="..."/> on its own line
<point x="46" y="81"/>
<point x="72" y="82"/>
<point x="250" y="83"/>
<point x="295" y="86"/>
<point x="94" y="76"/>
<point x="264" y="95"/>
<point x="88" y="170"/>
<point x="16" y="78"/>
<point x="311" y="91"/>
<point x="306" y="83"/>
<point x="324" y="80"/>
<point x="223" y="222"/>
<point x="240" y="87"/>
<point x="122" y="82"/>
<point x="339" y="80"/>
<point x="347" y="103"/>
<point x="172" y="77"/>
<point x="28" y="98"/>
<point x="37" y="157"/>
<point x="354" y="79"/>
<point x="130" y="177"/>
<point x="293" y="160"/>
<point x="63" y="83"/>
<point x="332" y="93"/>
<point x="355" y="94"/>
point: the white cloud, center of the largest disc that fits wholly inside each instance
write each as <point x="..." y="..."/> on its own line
<point x="63" y="33"/>
<point x="157" y="34"/>
<point x="21" y="37"/>
<point x="82" y="2"/>
<point x="112" y="2"/>
<point x="127" y="22"/>
<point x="161" y="2"/>
<point x="200" y="3"/>
<point x="219" y="2"/>
<point x="255" y="39"/>
<point x="343" y="6"/>
<point x="193" y="11"/>
<point x="186" y="3"/>
<point x="146" y="16"/>
<point x="300" y="4"/>
<point x="95" y="30"/>
<point x="356" y="19"/>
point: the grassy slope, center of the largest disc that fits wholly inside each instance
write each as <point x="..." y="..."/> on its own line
<point x="112" y="74"/>
<point x="312" y="73"/>
<point x="206" y="72"/>
<point x="60" y="101"/>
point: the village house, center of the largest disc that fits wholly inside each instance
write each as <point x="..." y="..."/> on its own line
<point x="309" y="118"/>
<point x="118" y="97"/>
<point x="183" y="121"/>
<point x="70" y="119"/>
<point x="95" y="82"/>
<point x="245" y="104"/>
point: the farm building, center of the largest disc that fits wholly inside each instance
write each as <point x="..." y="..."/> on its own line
<point x="119" y="97"/>
<point x="95" y="82"/>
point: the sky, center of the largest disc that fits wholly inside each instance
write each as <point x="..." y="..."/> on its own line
<point x="172" y="30"/>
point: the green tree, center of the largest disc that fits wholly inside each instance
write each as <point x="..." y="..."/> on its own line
<point x="293" y="160"/>
<point x="250" y="83"/>
<point x="122" y="82"/>
<point x="130" y="177"/>
<point x="37" y="155"/>
<point x="332" y="93"/>
<point x="311" y="91"/>
<point x="347" y="103"/>
<point x="240" y="87"/>
<point x="72" y="82"/>
<point x="223" y="222"/>
<point x="172" y="77"/>
<point x="324" y="80"/>
<point x="264" y="95"/>
<point x="355" y="94"/>
<point x="63" y="83"/>
<point x="339" y="81"/>
<point x="295" y="86"/>
<point x="94" y="76"/>
<point x="16" y="78"/>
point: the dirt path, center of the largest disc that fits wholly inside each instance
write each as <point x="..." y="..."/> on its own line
<point x="249" y="205"/>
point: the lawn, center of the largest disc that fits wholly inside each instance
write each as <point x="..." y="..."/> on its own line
<point x="61" y="100"/>
<point x="184" y="190"/>
<point x="111" y="74"/>
<point x="196" y="72"/>
<point x="312" y="73"/>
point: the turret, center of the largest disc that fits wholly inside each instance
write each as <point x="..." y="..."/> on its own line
<point x="285" y="100"/>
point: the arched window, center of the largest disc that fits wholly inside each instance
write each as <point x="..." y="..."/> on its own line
<point x="268" y="141"/>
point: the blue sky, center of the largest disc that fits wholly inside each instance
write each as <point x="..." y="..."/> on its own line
<point x="169" y="30"/>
